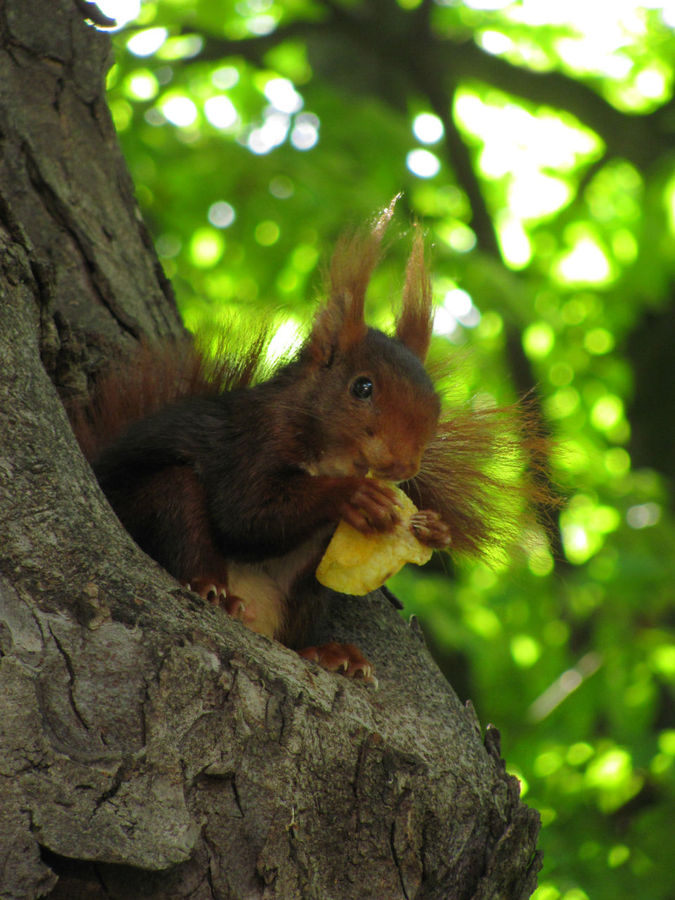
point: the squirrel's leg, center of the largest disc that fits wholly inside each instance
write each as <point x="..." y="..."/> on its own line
<point x="166" y="514"/>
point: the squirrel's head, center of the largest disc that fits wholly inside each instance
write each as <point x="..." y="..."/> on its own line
<point x="376" y="403"/>
<point x="375" y="410"/>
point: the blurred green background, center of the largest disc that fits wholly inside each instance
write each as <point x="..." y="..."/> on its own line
<point x="534" y="141"/>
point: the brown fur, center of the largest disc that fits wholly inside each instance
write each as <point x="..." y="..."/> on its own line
<point x="340" y="323"/>
<point x="224" y="473"/>
<point x="474" y="468"/>
<point x="482" y="472"/>
<point x="158" y="375"/>
<point x="415" y="322"/>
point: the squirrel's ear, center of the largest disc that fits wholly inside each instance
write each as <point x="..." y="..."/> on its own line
<point x="340" y="323"/>
<point x="414" y="324"/>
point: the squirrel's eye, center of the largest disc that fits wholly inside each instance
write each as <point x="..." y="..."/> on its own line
<point x="362" y="387"/>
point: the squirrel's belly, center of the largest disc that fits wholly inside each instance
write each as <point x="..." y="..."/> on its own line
<point x="266" y="586"/>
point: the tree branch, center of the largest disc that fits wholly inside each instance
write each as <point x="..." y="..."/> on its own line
<point x="640" y="138"/>
<point x="151" y="746"/>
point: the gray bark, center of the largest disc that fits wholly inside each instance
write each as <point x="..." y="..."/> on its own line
<point x="150" y="746"/>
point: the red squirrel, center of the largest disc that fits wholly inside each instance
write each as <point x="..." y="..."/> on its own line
<point x="235" y="486"/>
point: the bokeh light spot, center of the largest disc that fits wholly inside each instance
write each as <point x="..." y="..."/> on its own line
<point x="423" y="163"/>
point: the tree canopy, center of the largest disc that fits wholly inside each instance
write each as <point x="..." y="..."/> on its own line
<point x="533" y="142"/>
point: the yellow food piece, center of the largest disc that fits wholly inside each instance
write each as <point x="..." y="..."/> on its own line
<point x="356" y="563"/>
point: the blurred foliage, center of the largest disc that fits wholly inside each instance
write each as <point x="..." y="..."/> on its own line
<point x="534" y="142"/>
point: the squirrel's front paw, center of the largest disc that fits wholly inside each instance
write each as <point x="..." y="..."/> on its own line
<point x="430" y="529"/>
<point x="372" y="507"/>
<point x="344" y="658"/>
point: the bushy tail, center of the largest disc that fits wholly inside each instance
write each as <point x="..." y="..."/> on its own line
<point x="485" y="473"/>
<point x="159" y="374"/>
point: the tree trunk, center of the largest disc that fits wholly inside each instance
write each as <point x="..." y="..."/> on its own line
<point x="149" y="745"/>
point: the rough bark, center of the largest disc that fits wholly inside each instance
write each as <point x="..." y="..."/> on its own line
<point x="150" y="746"/>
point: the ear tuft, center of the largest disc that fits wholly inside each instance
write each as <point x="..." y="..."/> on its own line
<point x="414" y="325"/>
<point x="340" y="323"/>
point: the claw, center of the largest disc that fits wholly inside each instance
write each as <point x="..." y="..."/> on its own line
<point x="346" y="659"/>
<point x="215" y="592"/>
<point x="430" y="529"/>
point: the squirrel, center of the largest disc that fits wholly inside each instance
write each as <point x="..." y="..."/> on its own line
<point x="235" y="484"/>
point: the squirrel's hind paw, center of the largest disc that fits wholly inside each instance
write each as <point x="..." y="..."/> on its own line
<point x="344" y="658"/>
<point x="216" y="592"/>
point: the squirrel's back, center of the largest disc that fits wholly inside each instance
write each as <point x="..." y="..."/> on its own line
<point x="160" y="373"/>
